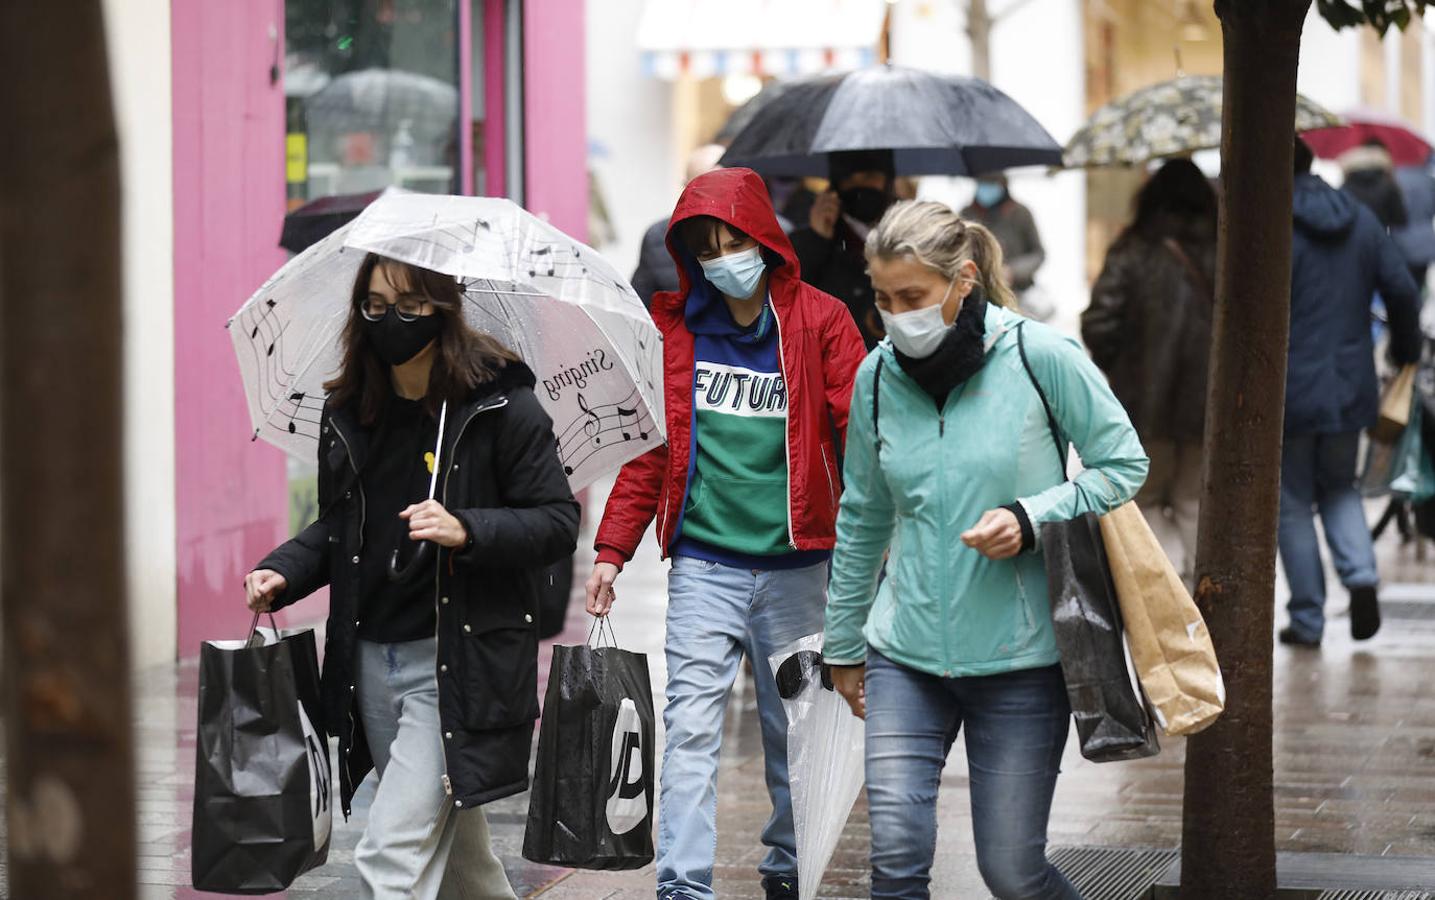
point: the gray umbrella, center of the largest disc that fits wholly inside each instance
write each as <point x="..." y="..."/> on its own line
<point x="381" y="100"/>
<point x="933" y="124"/>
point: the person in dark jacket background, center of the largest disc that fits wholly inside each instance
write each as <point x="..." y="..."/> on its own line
<point x="431" y="654"/>
<point x="830" y="249"/>
<point x="1416" y="238"/>
<point x="1149" y="329"/>
<point x="1370" y="179"/>
<point x="1341" y="256"/>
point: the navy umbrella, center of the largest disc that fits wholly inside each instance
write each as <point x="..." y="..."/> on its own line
<point x="933" y="124"/>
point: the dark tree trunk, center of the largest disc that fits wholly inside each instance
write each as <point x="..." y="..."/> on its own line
<point x="70" y="797"/>
<point x="1228" y="846"/>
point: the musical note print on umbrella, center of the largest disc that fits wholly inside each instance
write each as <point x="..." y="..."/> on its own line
<point x="556" y="303"/>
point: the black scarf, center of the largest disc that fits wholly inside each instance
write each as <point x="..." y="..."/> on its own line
<point x="958" y="357"/>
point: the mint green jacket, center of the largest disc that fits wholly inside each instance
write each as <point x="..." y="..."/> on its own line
<point x="944" y="608"/>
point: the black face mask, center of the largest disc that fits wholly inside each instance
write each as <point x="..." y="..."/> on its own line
<point x="397" y="341"/>
<point x="864" y="204"/>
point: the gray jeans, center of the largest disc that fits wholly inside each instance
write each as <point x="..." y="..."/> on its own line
<point x="417" y="844"/>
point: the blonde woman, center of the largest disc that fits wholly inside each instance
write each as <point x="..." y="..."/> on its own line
<point x="952" y="467"/>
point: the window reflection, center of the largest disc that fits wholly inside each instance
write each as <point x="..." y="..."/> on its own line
<point x="372" y="96"/>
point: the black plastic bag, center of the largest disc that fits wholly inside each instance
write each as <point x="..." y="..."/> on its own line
<point x="262" y="781"/>
<point x="593" y="786"/>
<point x="1111" y="720"/>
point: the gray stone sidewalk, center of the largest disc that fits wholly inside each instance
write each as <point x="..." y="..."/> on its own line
<point x="1355" y="765"/>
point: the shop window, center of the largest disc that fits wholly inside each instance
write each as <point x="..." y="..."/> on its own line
<point x="372" y="96"/>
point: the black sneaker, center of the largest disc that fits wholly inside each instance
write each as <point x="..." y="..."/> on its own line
<point x="780" y="887"/>
<point x="1364" y="613"/>
<point x="1295" y="639"/>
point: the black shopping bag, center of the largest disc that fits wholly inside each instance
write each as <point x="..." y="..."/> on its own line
<point x="262" y="781"/>
<point x="593" y="786"/>
<point x="1111" y="720"/>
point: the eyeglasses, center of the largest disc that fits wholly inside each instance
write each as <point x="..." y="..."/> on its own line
<point x="408" y="307"/>
<point x="799" y="670"/>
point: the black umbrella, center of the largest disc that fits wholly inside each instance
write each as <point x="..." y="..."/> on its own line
<point x="312" y="222"/>
<point x="933" y="124"/>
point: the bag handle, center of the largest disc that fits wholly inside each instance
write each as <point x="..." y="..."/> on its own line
<point x="1198" y="277"/>
<point x="1061" y="445"/>
<point x="603" y="631"/>
<point x="877" y="403"/>
<point x="254" y="627"/>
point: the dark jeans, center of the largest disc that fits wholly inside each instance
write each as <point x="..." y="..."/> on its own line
<point x="1016" y="726"/>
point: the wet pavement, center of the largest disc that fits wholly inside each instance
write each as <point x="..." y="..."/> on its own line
<point x="1355" y="764"/>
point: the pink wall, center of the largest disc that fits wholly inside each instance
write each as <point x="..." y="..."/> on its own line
<point x="495" y="128"/>
<point x="556" y="139"/>
<point x="231" y="494"/>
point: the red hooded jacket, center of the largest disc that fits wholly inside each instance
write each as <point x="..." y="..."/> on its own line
<point x="821" y="349"/>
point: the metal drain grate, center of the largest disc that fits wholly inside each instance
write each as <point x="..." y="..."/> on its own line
<point x="1112" y="873"/>
<point x="1376" y="895"/>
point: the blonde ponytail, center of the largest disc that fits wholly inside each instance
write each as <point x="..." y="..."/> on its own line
<point x="939" y="239"/>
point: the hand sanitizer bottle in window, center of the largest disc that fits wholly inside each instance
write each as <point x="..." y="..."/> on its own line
<point x="401" y="148"/>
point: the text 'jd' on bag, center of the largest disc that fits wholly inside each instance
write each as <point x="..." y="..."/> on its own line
<point x="262" y="781"/>
<point x="1112" y="722"/>
<point x="593" y="785"/>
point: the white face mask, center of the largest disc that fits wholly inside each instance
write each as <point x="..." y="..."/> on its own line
<point x="919" y="332"/>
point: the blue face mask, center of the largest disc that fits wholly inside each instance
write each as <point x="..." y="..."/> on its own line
<point x="736" y="274"/>
<point x="989" y="193"/>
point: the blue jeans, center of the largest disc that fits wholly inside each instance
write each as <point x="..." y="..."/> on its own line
<point x="1016" y="726"/>
<point x="717" y="613"/>
<point x="1318" y="473"/>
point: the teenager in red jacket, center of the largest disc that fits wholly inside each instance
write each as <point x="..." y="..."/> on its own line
<point x="758" y="371"/>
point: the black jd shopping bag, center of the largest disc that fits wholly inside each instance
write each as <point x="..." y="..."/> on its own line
<point x="262" y="781"/>
<point x="593" y="786"/>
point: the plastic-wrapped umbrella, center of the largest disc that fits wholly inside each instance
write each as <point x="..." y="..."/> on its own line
<point x="933" y="124"/>
<point x="555" y="302"/>
<point x="825" y="757"/>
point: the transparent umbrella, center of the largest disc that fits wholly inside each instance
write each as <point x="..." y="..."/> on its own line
<point x="554" y="301"/>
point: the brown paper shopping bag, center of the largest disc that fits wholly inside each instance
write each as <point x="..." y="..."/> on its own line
<point x="1395" y="406"/>
<point x="1170" y="646"/>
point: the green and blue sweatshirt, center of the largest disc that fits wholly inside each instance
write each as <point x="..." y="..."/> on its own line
<point x="735" y="512"/>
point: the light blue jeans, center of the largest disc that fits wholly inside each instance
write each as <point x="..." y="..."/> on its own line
<point x="417" y="844"/>
<point x="1016" y="726"/>
<point x="1318" y="472"/>
<point x="717" y="613"/>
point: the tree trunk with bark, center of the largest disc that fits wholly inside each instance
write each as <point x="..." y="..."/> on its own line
<point x="69" y="756"/>
<point x="1228" y="846"/>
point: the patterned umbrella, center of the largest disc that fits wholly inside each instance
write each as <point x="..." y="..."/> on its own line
<point x="558" y="304"/>
<point x="1173" y="118"/>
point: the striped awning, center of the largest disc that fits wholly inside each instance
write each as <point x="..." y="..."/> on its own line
<point x="707" y="38"/>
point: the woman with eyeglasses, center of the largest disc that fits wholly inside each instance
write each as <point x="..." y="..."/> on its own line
<point x="431" y="650"/>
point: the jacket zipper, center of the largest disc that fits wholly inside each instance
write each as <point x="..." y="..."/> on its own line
<point x="786" y="426"/>
<point x="831" y="485"/>
<point x="438" y="575"/>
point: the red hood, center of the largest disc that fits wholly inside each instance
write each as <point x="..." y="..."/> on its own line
<point x="739" y="198"/>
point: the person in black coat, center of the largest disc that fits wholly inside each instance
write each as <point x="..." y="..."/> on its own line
<point x="1341" y="256"/>
<point x="830" y="250"/>
<point x="431" y="651"/>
